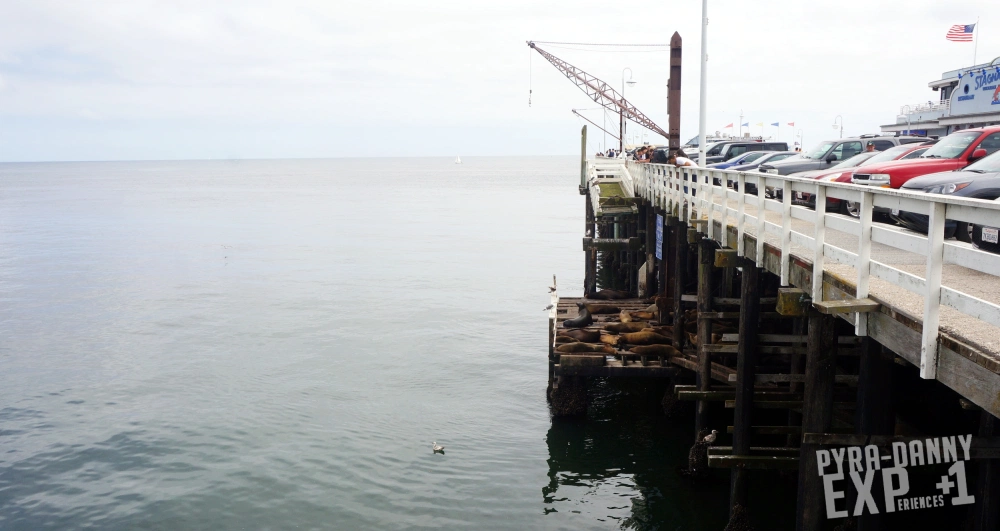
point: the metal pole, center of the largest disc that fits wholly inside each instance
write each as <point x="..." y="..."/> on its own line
<point x="703" y="106"/>
<point x="975" y="48"/>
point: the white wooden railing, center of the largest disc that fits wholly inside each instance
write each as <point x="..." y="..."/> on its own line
<point x="690" y="191"/>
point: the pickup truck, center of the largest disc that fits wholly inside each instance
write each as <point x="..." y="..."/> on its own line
<point x="952" y="152"/>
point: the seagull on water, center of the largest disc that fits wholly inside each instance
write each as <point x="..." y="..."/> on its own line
<point x="710" y="438"/>
<point x="438" y="449"/>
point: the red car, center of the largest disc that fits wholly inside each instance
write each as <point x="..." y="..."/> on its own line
<point x="842" y="172"/>
<point x="952" y="152"/>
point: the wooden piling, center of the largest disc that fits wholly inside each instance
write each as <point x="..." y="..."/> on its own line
<point x="985" y="512"/>
<point x="706" y="263"/>
<point x="650" y="251"/>
<point x="590" y="255"/>
<point x="817" y="417"/>
<point x="746" y="372"/>
<point x="680" y="271"/>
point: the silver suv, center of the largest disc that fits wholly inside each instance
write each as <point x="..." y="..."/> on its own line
<point x="830" y="152"/>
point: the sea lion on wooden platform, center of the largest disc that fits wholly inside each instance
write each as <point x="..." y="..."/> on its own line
<point x="625" y="316"/>
<point x="642" y="315"/>
<point x="645" y="338"/>
<point x="566" y="339"/>
<point x="581" y="320"/>
<point x="596" y="309"/>
<point x="587" y="336"/>
<point x="656" y="350"/>
<point x="609" y="295"/>
<point x="624" y="327"/>
<point x="610" y="339"/>
<point x="662" y="330"/>
<point x="570" y="348"/>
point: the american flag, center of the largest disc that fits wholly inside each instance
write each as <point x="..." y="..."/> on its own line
<point x="961" y="33"/>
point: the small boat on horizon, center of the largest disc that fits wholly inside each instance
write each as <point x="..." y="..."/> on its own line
<point x="458" y="160"/>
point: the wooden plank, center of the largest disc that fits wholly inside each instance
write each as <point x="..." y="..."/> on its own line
<point x="847" y="306"/>
<point x="785" y="404"/>
<point x="614" y="368"/>
<point x="725" y="258"/>
<point x="755" y="450"/>
<point x="720" y="373"/>
<point x="792" y="302"/>
<point x="612" y="244"/>
<point x="783" y="378"/>
<point x="784" y="338"/>
<point x="736" y="315"/>
<point x="581" y="360"/>
<point x="735" y="301"/>
<point x="746" y="369"/>
<point x="726" y="396"/>
<point x="680" y="279"/>
<point x="755" y="462"/>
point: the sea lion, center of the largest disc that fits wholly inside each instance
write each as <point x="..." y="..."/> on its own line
<point x="609" y="295"/>
<point x="610" y="339"/>
<point x="662" y="330"/>
<point x="645" y="338"/>
<point x="625" y="316"/>
<point x="624" y="327"/>
<point x="584" y="347"/>
<point x="693" y="338"/>
<point x="566" y="339"/>
<point x="587" y="336"/>
<point x="656" y="350"/>
<point x="595" y="309"/>
<point x="642" y="315"/>
<point x="583" y="319"/>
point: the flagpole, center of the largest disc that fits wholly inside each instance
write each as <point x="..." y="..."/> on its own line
<point x="975" y="33"/>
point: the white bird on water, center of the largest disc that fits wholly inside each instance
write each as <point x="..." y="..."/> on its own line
<point x="710" y="438"/>
<point x="438" y="449"/>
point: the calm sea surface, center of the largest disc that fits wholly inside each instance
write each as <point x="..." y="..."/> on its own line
<point x="275" y="345"/>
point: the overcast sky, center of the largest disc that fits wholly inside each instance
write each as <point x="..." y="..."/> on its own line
<point x="180" y="80"/>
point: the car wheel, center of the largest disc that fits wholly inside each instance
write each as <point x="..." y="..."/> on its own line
<point x="964" y="232"/>
<point x="853" y="209"/>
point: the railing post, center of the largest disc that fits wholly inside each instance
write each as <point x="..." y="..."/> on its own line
<point x="819" y="236"/>
<point x="932" y="298"/>
<point x="710" y="184"/>
<point x="761" y="209"/>
<point x="741" y="182"/>
<point x="863" y="266"/>
<point x="786" y="230"/>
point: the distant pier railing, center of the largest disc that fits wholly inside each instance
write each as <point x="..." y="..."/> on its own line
<point x="692" y="194"/>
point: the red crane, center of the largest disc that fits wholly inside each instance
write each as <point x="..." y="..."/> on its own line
<point x="601" y="92"/>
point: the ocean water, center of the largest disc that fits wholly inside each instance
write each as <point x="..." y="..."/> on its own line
<point x="275" y="345"/>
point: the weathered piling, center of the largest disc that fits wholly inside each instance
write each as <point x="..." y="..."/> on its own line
<point x="706" y="261"/>
<point x="746" y="374"/>
<point x="817" y="417"/>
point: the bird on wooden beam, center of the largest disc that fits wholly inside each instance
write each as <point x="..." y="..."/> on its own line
<point x="710" y="438"/>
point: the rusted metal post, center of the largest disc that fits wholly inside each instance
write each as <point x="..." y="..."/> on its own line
<point x="674" y="93"/>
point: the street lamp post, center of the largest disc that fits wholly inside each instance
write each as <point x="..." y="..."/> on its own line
<point x="798" y="133"/>
<point x="621" y="144"/>
<point x="841" y="118"/>
<point x="907" y="110"/>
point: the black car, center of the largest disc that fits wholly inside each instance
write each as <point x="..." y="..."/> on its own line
<point x="986" y="238"/>
<point x="980" y="180"/>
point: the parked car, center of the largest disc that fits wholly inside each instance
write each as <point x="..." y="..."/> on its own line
<point x="770" y="157"/>
<point x="745" y="158"/>
<point x="841" y="173"/>
<point x="952" y="152"/>
<point x="734" y="149"/>
<point x="713" y="149"/>
<point x="986" y="238"/>
<point x="980" y="180"/>
<point x="830" y="152"/>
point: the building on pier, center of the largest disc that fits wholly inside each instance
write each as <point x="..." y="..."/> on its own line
<point x="967" y="97"/>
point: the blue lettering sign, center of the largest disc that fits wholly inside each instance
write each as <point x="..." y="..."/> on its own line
<point x="659" y="237"/>
<point x="966" y="98"/>
<point x="986" y="79"/>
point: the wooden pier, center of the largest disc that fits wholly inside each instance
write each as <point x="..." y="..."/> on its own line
<point x="791" y="330"/>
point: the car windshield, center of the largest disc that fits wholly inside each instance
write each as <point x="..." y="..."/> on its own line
<point x="892" y="153"/>
<point x="987" y="164"/>
<point x="750" y="157"/>
<point x="818" y="151"/>
<point x="853" y="161"/>
<point x="951" y="146"/>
